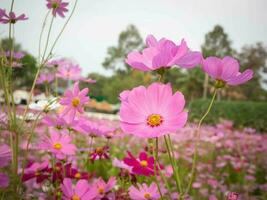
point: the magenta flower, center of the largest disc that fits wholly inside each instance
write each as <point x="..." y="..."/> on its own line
<point x="11" y="17"/>
<point x="81" y="191"/>
<point x="58" y="7"/>
<point x="100" y="153"/>
<point x="153" y="111"/>
<point x="5" y="155"/>
<point x="45" y="78"/>
<point x="59" y="144"/>
<point x="4" y="180"/>
<point x="74" y="101"/>
<point x="102" y="188"/>
<point x="225" y="71"/>
<point x="36" y="170"/>
<point x="144" y="192"/>
<point x="73" y="173"/>
<point x="143" y="165"/>
<point x="163" y="54"/>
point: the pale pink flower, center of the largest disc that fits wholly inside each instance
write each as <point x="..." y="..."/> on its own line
<point x="102" y="187"/>
<point x="45" y="78"/>
<point x="5" y="155"/>
<point x="69" y="71"/>
<point x="58" y="7"/>
<point x="144" y="192"/>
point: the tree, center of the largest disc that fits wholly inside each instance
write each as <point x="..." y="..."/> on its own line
<point x="129" y="40"/>
<point x="217" y="44"/>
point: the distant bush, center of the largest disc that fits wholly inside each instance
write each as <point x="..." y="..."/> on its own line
<point x="242" y="113"/>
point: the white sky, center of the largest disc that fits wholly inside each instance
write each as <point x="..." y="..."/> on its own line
<point x="97" y="23"/>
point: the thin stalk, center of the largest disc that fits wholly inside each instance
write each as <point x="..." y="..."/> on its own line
<point x="47" y="40"/>
<point x="40" y="37"/>
<point x="193" y="171"/>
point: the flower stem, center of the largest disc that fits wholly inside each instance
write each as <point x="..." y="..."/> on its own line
<point x="193" y="171"/>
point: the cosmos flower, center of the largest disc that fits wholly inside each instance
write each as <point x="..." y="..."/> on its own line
<point x="81" y="191"/>
<point x="73" y="173"/>
<point x="153" y="111"/>
<point x="103" y="188"/>
<point x="144" y="192"/>
<point x="56" y="121"/>
<point x="58" y="7"/>
<point x="59" y="144"/>
<point x="36" y="170"/>
<point x="69" y="71"/>
<point x="144" y="165"/>
<point x="11" y="17"/>
<point x="4" y="180"/>
<point x="225" y="71"/>
<point x="163" y="54"/>
<point x="5" y="155"/>
<point x="74" y="101"/>
<point x="100" y="153"/>
<point x="45" y="78"/>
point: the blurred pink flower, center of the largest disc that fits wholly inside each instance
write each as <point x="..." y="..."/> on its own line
<point x="45" y="78"/>
<point x="69" y="71"/>
<point x="102" y="188"/>
<point x="74" y="101"/>
<point x="163" y="54"/>
<point x="4" y="180"/>
<point x="5" y="155"/>
<point x="59" y="144"/>
<point x="36" y="170"/>
<point x="58" y="7"/>
<point x="144" y="192"/>
<point x="81" y="191"/>
<point x="226" y="71"/>
<point x="11" y="17"/>
<point x="100" y="153"/>
<point x="153" y="111"/>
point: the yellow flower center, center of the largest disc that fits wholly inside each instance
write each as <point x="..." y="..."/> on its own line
<point x="219" y="83"/>
<point x="100" y="190"/>
<point x="154" y="120"/>
<point x="75" y="102"/>
<point x="57" y="146"/>
<point x="37" y="173"/>
<point x="143" y="163"/>
<point x="99" y="150"/>
<point x="75" y="197"/>
<point x="147" y="195"/>
<point x="77" y="175"/>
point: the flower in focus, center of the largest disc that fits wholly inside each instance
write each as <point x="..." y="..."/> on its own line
<point x="58" y="7"/>
<point x="143" y="165"/>
<point x="45" y="78"/>
<point x="74" y="101"/>
<point x="11" y="17"/>
<point x="102" y="188"/>
<point x="81" y="191"/>
<point x="69" y="71"/>
<point x="36" y="170"/>
<point x="144" y="192"/>
<point x="4" y="180"/>
<point x="5" y="155"/>
<point x="58" y="144"/>
<point x="225" y="71"/>
<point x="100" y="153"/>
<point x="163" y="54"/>
<point x="153" y="111"/>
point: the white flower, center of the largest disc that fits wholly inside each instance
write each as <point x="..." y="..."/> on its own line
<point x="45" y="105"/>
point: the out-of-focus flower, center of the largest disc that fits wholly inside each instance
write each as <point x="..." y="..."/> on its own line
<point x="4" y="180"/>
<point x="88" y="80"/>
<point x="153" y="111"/>
<point x="74" y="173"/>
<point x="120" y="164"/>
<point x="59" y="144"/>
<point x="5" y="155"/>
<point x="11" y="17"/>
<point x="225" y="71"/>
<point x="45" y="105"/>
<point x="54" y="121"/>
<point x="100" y="153"/>
<point x="58" y="7"/>
<point x="144" y="192"/>
<point x="74" y="101"/>
<point x="81" y="191"/>
<point x="102" y="188"/>
<point x="69" y="71"/>
<point x="45" y="78"/>
<point x="163" y="54"/>
<point x="36" y="170"/>
<point x="144" y="165"/>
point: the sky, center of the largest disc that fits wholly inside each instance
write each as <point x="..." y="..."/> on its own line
<point x="96" y="24"/>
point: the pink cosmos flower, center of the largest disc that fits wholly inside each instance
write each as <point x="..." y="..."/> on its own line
<point x="5" y="155"/>
<point x="58" y="7"/>
<point x="11" y="17"/>
<point x="153" y="111"/>
<point x="103" y="188"/>
<point x="59" y="144"/>
<point x="226" y="71"/>
<point x="74" y="101"/>
<point x="81" y="191"/>
<point x="36" y="170"/>
<point x="144" y="192"/>
<point x="100" y="153"/>
<point x="4" y="180"/>
<point x="163" y="53"/>
<point x="45" y="78"/>
<point x="54" y="121"/>
<point x="73" y="173"/>
<point x="143" y="165"/>
<point x="16" y="55"/>
<point x="69" y="71"/>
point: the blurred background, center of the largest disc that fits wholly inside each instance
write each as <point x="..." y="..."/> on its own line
<point x="101" y="33"/>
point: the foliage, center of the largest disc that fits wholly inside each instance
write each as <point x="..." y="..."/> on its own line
<point x="242" y="113"/>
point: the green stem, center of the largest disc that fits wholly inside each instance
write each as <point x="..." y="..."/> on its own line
<point x="193" y="171"/>
<point x="40" y="37"/>
<point x="47" y="40"/>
